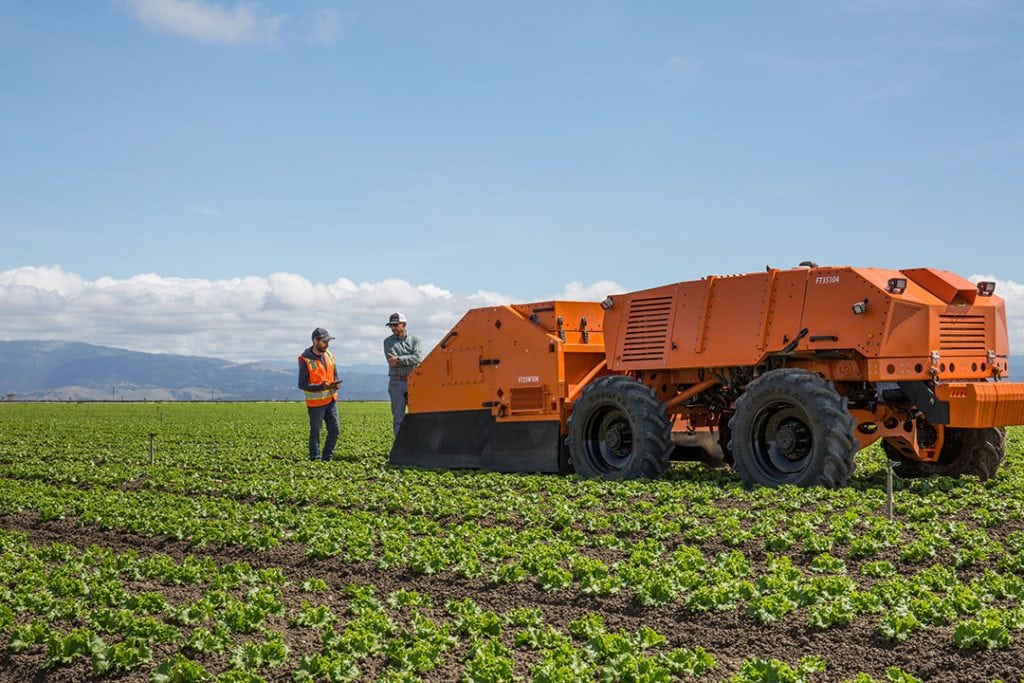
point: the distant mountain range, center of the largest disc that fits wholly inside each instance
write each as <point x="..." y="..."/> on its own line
<point x="73" y="371"/>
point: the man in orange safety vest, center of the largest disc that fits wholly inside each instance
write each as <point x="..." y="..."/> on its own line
<point x="318" y="378"/>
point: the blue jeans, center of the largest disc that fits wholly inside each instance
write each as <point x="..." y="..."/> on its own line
<point x="317" y="416"/>
<point x="398" y="390"/>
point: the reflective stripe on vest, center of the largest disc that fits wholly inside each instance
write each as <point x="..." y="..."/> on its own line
<point x="320" y="373"/>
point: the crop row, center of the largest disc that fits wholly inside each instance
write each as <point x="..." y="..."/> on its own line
<point x="653" y="572"/>
<point x="85" y="609"/>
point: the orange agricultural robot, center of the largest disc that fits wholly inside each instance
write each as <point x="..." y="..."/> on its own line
<point x="782" y="374"/>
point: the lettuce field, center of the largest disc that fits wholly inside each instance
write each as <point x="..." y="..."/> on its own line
<point x="228" y="556"/>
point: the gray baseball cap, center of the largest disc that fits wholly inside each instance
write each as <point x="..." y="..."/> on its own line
<point x="321" y="333"/>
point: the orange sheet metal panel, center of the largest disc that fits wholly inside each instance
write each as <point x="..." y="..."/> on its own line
<point x="983" y="404"/>
<point x="511" y="360"/>
<point x="829" y="313"/>
<point x="580" y="320"/>
<point x="539" y="356"/>
<point x="732" y="330"/>
<point x="958" y="323"/>
<point x="1002" y="348"/>
<point x="713" y="322"/>
<point x="945" y="285"/>
<point x="902" y="329"/>
<point x="642" y="324"/>
<point x="787" y="309"/>
<point x="452" y="377"/>
<point x="737" y="320"/>
<point x="528" y="374"/>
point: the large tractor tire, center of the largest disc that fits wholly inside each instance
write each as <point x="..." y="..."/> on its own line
<point x="977" y="452"/>
<point x="792" y="427"/>
<point x="619" y="430"/>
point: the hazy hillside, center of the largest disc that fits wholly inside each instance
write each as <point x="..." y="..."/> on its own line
<point x="61" y="371"/>
<point x="48" y="370"/>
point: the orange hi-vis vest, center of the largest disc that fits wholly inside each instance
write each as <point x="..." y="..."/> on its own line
<point x="320" y="373"/>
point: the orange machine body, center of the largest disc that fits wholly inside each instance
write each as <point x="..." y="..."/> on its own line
<point x="936" y="328"/>
<point x="498" y="389"/>
<point x="493" y="392"/>
<point x="518" y="362"/>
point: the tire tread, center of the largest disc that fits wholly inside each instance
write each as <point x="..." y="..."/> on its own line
<point x="834" y="459"/>
<point x="652" y="443"/>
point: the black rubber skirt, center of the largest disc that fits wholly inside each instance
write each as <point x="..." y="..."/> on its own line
<point x="472" y="439"/>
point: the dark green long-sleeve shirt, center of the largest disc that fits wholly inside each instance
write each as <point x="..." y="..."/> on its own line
<point x="408" y="351"/>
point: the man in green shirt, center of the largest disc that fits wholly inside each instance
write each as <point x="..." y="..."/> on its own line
<point x="403" y="351"/>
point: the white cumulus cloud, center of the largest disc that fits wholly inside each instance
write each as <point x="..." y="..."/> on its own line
<point x="240" y="319"/>
<point x="577" y="291"/>
<point x="208" y="22"/>
<point x="267" y="318"/>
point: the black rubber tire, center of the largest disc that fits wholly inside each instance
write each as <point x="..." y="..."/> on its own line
<point x="976" y="452"/>
<point x="792" y="427"/>
<point x="619" y="430"/>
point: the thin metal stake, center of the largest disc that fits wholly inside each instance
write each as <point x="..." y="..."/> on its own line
<point x="888" y="485"/>
<point x="364" y="423"/>
<point x="151" y="451"/>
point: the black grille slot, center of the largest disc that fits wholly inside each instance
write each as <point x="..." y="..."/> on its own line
<point x="647" y="328"/>
<point x="962" y="332"/>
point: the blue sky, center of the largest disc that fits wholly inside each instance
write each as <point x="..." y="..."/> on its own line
<point x="507" y="149"/>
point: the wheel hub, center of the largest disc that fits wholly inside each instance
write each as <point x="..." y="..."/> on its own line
<point x="792" y="426"/>
<point x="784" y="439"/>
<point x="615" y="439"/>
<point x="790" y="440"/>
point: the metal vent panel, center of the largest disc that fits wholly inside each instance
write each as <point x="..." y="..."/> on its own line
<point x="647" y="329"/>
<point x="962" y="333"/>
<point x="526" y="399"/>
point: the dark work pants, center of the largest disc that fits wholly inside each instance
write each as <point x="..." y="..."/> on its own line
<point x="318" y="416"/>
<point x="398" y="390"/>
